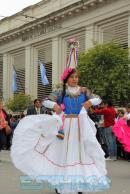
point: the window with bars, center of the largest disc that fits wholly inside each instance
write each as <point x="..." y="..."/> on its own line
<point x="45" y="56"/>
<point x="19" y="66"/>
<point x="118" y="32"/>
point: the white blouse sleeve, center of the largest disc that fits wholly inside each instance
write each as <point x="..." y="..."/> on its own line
<point x="95" y="101"/>
<point x="48" y="104"/>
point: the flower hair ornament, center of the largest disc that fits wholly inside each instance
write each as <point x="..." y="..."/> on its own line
<point x="66" y="72"/>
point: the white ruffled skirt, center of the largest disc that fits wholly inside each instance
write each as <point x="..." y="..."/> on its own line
<point x="74" y="164"/>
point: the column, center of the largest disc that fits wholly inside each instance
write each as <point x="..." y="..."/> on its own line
<point x="100" y="35"/>
<point x="30" y="72"/>
<point x="129" y="31"/>
<point x="56" y="60"/>
<point x="89" y="37"/>
<point x="7" y="76"/>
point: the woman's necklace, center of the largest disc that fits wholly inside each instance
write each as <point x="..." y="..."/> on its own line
<point x="73" y="91"/>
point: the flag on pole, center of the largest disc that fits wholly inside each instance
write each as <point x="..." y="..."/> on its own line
<point x="14" y="84"/>
<point x="43" y="74"/>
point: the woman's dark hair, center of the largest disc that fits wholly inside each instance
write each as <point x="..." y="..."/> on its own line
<point x="121" y="111"/>
<point x="64" y="83"/>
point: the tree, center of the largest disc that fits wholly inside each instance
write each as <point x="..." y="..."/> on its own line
<point x="105" y="69"/>
<point x="19" y="102"/>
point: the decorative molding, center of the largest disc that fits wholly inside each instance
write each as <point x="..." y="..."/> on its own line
<point x="42" y="30"/>
<point x="59" y="15"/>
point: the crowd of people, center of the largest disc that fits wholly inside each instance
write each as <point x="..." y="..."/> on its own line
<point x="109" y="115"/>
<point x="8" y="123"/>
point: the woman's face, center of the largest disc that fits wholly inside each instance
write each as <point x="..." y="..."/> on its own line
<point x="73" y="80"/>
<point x="120" y="114"/>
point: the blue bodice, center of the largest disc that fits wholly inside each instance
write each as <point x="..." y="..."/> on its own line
<point x="73" y="104"/>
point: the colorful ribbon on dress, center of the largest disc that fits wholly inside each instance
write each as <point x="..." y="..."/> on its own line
<point x="72" y="59"/>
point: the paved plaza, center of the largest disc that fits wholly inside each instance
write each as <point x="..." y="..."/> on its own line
<point x="119" y="171"/>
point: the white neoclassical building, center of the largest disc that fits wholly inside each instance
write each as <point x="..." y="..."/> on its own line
<point x="41" y="31"/>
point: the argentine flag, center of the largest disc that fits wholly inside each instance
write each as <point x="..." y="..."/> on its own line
<point x="14" y="84"/>
<point x="43" y="74"/>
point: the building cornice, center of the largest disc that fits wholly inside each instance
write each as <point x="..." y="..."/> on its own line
<point x="51" y="19"/>
<point x="24" y="10"/>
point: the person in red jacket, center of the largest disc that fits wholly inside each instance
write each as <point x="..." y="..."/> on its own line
<point x="109" y="113"/>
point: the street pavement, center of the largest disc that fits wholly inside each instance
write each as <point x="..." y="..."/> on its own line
<point x="118" y="171"/>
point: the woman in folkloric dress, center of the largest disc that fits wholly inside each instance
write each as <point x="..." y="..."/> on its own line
<point x="73" y="164"/>
<point x="121" y="130"/>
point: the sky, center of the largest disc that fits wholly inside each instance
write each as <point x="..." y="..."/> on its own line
<point x="10" y="7"/>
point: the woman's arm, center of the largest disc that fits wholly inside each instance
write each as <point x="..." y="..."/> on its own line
<point x="52" y="105"/>
<point x="92" y="102"/>
<point x="51" y="102"/>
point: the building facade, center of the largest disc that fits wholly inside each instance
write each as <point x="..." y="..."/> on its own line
<point x="40" y="32"/>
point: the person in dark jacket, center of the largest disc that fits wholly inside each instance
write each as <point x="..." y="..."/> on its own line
<point x="37" y="108"/>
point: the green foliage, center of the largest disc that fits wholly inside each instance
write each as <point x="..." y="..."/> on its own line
<point x="19" y="102"/>
<point x="105" y="70"/>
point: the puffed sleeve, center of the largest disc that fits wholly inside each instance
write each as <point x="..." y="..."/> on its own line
<point x="95" y="101"/>
<point x="52" y="99"/>
<point x="93" y="98"/>
<point x="91" y="95"/>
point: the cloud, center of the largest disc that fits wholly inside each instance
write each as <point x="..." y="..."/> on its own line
<point x="10" y="7"/>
